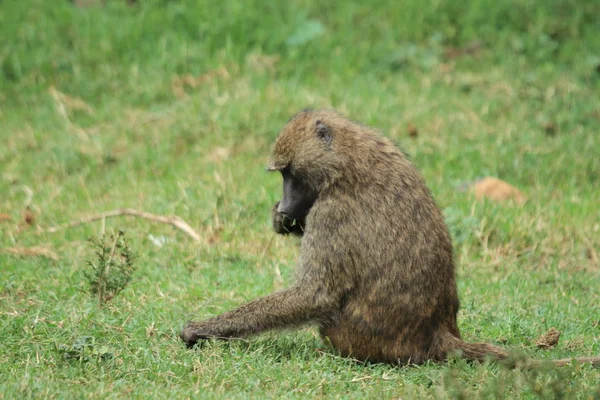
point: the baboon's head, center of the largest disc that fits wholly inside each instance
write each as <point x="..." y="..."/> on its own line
<point x="306" y="155"/>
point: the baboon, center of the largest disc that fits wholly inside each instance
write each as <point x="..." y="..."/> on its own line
<point x="375" y="270"/>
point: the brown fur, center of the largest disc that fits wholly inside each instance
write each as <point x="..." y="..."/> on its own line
<point x="376" y="270"/>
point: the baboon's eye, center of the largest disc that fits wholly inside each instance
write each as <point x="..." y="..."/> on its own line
<point x="323" y="131"/>
<point x="286" y="171"/>
<point x="290" y="172"/>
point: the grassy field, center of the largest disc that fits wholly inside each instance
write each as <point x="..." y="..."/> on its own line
<point x="171" y="107"/>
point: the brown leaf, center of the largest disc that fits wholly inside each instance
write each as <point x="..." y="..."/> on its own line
<point x="5" y="217"/>
<point x="497" y="190"/>
<point x="548" y="340"/>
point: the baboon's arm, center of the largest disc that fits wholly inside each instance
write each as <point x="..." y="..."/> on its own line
<point x="289" y="307"/>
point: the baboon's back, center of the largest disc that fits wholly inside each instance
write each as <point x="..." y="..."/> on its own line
<point x="386" y="230"/>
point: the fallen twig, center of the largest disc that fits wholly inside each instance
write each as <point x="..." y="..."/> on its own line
<point x="31" y="251"/>
<point x="171" y="220"/>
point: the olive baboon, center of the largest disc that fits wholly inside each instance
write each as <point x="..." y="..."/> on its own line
<point x="375" y="270"/>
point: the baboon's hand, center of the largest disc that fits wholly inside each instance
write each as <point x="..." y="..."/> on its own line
<point x="195" y="332"/>
<point x="285" y="225"/>
<point x="190" y="336"/>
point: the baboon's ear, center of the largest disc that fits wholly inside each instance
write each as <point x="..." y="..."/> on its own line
<point x="323" y="131"/>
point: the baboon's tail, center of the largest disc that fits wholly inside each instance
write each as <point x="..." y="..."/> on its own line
<point x="482" y="351"/>
<point x="472" y="351"/>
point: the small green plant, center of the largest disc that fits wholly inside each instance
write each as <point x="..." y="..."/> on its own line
<point x="84" y="349"/>
<point x="112" y="268"/>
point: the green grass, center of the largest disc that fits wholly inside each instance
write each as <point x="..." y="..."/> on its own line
<point x="93" y="117"/>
